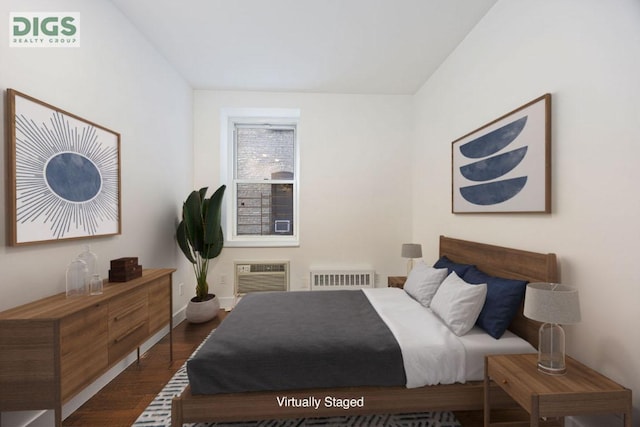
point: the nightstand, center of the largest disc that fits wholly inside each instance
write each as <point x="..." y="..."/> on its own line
<point x="396" y="281"/>
<point x="580" y="391"/>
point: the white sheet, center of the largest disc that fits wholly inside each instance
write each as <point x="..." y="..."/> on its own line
<point x="477" y="343"/>
<point x="431" y="353"/>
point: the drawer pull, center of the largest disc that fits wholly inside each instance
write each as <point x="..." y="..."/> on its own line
<point x="126" y="313"/>
<point x="505" y="382"/>
<point x="129" y="332"/>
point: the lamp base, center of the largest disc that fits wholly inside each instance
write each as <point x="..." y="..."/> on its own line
<point x="551" y="349"/>
<point x="550" y="370"/>
<point x="409" y="266"/>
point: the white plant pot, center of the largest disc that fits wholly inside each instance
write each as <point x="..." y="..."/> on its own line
<point x="202" y="311"/>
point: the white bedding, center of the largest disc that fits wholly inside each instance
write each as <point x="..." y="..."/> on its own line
<point x="431" y="353"/>
<point x="477" y="343"/>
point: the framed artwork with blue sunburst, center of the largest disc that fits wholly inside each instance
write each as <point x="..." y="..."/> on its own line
<point x="505" y="166"/>
<point x="64" y="174"/>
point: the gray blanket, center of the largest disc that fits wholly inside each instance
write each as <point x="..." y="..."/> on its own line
<point x="298" y="340"/>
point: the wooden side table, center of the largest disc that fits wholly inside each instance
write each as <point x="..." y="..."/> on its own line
<point x="580" y="391"/>
<point x="396" y="281"/>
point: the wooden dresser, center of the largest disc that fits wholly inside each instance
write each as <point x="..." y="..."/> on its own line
<point x="53" y="348"/>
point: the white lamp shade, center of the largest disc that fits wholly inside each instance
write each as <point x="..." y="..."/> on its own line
<point x="411" y="250"/>
<point x="552" y="303"/>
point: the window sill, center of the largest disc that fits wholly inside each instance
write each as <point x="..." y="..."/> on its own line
<point x="289" y="243"/>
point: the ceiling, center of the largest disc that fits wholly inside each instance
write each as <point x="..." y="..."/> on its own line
<point x="333" y="46"/>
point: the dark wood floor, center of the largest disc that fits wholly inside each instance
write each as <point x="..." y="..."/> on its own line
<point x="120" y="402"/>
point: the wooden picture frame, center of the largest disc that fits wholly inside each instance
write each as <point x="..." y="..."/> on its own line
<point x="505" y="166"/>
<point x="64" y="174"/>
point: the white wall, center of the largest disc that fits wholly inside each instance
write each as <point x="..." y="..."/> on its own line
<point x="364" y="192"/>
<point x="354" y="180"/>
<point x="585" y="53"/>
<point x="118" y="80"/>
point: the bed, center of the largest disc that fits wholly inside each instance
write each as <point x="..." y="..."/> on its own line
<point x="390" y="397"/>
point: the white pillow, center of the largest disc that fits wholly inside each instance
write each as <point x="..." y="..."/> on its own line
<point x="423" y="282"/>
<point x="458" y="303"/>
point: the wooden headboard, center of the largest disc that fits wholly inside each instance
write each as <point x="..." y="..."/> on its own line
<point x="508" y="263"/>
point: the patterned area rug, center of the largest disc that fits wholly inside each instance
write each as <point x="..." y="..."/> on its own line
<point x="158" y="414"/>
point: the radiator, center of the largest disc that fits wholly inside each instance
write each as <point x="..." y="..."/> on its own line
<point x="324" y="280"/>
<point x="261" y="276"/>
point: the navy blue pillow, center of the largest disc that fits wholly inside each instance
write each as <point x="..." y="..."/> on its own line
<point x="504" y="298"/>
<point x="445" y="262"/>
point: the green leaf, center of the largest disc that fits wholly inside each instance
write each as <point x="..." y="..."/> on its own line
<point x="192" y="217"/>
<point x="213" y="237"/>
<point x="213" y="216"/>
<point x="183" y="243"/>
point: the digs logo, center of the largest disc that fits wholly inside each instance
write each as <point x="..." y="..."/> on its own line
<point x="44" y="29"/>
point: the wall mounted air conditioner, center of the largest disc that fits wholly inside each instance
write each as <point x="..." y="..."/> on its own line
<point x="261" y="276"/>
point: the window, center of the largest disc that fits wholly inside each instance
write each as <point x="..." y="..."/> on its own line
<point x="262" y="169"/>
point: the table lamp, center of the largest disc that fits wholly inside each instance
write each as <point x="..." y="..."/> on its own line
<point x="411" y="251"/>
<point x="553" y="304"/>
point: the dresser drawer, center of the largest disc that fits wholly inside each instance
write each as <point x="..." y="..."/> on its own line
<point x="128" y="324"/>
<point x="508" y="383"/>
<point x="83" y="349"/>
<point x="27" y="364"/>
<point x="159" y="303"/>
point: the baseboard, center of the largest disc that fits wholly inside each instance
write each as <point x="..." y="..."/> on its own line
<point x="179" y="315"/>
<point x="593" y="420"/>
<point x="27" y="418"/>
<point x="227" y="302"/>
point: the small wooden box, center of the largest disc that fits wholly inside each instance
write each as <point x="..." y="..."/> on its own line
<point x="126" y="263"/>
<point x="124" y="269"/>
<point x="125" y="275"/>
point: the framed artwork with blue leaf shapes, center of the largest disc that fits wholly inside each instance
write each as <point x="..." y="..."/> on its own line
<point x="505" y="166"/>
<point x="64" y="174"/>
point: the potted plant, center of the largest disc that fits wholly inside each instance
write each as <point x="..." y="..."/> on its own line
<point x="200" y="238"/>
